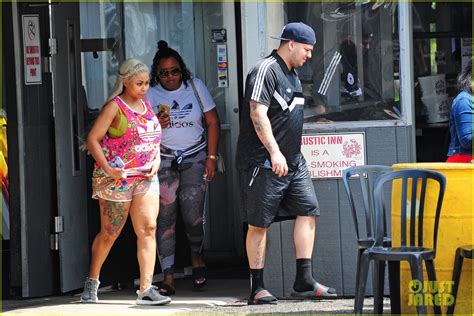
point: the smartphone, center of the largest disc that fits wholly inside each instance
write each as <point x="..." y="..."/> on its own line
<point x="116" y="162"/>
<point x="164" y="111"/>
<point x="267" y="164"/>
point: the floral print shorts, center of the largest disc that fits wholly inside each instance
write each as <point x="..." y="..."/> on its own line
<point x="123" y="190"/>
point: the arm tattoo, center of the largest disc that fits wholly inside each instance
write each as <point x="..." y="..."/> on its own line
<point x="258" y="125"/>
<point x="253" y="106"/>
<point x="271" y="146"/>
<point x="263" y="127"/>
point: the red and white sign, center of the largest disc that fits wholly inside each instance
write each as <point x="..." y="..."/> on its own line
<point x="327" y="155"/>
<point x="31" y="49"/>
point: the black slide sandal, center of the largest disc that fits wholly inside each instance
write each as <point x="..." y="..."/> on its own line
<point x="319" y="291"/>
<point x="262" y="297"/>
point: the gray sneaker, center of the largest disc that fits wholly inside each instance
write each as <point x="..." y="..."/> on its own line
<point x="152" y="296"/>
<point x="89" y="295"/>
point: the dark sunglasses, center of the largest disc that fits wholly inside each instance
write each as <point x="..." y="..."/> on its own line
<point x="166" y="73"/>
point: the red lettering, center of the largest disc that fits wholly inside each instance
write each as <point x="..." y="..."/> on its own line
<point x="33" y="72"/>
<point x="315" y="140"/>
<point x="32" y="49"/>
<point x="321" y="140"/>
<point x="335" y="140"/>
<point x="307" y="140"/>
<point x="333" y="164"/>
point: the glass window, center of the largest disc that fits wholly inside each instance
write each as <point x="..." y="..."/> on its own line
<point x="133" y="29"/>
<point x="188" y="28"/>
<point x="147" y="23"/>
<point x="352" y="75"/>
<point x="441" y="47"/>
<point x="101" y="36"/>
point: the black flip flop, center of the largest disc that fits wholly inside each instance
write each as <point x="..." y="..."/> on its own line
<point x="166" y="289"/>
<point x="199" y="278"/>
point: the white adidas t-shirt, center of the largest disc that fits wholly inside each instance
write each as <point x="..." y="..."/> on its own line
<point x="185" y="128"/>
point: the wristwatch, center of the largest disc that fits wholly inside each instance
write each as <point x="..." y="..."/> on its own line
<point x="213" y="157"/>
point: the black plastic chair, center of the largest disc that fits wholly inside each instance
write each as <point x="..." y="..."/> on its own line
<point x="461" y="253"/>
<point x="412" y="250"/>
<point x="365" y="181"/>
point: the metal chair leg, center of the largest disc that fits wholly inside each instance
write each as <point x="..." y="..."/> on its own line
<point x="394" y="283"/>
<point x="430" y="269"/>
<point x="417" y="274"/>
<point x="360" y="292"/>
<point x="456" y="277"/>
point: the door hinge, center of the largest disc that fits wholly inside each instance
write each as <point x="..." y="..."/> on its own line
<point x="54" y="241"/>
<point x="58" y="229"/>
<point x="58" y="224"/>
<point x="52" y="46"/>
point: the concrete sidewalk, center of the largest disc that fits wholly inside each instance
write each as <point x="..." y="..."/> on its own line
<point x="223" y="296"/>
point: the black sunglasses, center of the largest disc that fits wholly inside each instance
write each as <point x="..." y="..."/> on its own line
<point x="166" y="73"/>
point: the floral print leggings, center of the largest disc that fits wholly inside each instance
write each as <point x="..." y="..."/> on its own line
<point x="182" y="188"/>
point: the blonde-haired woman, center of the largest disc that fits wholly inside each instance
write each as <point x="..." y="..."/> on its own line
<point x="125" y="141"/>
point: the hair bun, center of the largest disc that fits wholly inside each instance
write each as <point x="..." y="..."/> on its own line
<point x="162" y="44"/>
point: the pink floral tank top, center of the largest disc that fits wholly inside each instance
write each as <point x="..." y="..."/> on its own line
<point x="140" y="144"/>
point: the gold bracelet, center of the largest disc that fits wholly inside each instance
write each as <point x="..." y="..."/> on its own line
<point x="213" y="157"/>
